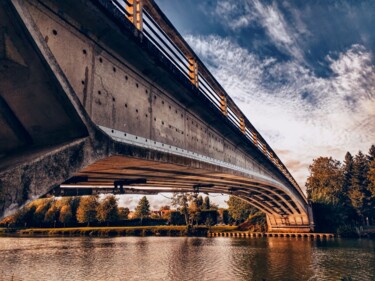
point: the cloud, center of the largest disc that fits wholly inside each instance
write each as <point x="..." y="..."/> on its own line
<point x="235" y="14"/>
<point x="286" y="36"/>
<point x="296" y="111"/>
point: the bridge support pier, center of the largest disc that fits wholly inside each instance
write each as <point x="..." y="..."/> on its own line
<point x="40" y="171"/>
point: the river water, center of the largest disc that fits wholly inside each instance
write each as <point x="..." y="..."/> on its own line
<point x="180" y="258"/>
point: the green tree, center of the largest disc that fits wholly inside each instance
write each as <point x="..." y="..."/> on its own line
<point x="239" y="209"/>
<point x="206" y="203"/>
<point x="86" y="212"/>
<point x="347" y="173"/>
<point x="371" y="183"/>
<point x="324" y="189"/>
<point x="176" y="218"/>
<point x="348" y="212"/>
<point x="324" y="185"/>
<point x="371" y="171"/>
<point x="66" y="214"/>
<point x="107" y="210"/>
<point x="371" y="153"/>
<point x="181" y="202"/>
<point x="143" y="208"/>
<point x="371" y="178"/>
<point x="224" y="215"/>
<point x="199" y="201"/>
<point x="195" y="208"/>
<point x="359" y="193"/>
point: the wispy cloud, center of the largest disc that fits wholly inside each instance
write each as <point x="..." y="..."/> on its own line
<point x="235" y="14"/>
<point x="242" y="14"/>
<point x="296" y="111"/>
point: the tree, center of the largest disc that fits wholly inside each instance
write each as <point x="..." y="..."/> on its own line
<point x="371" y="183"/>
<point x="66" y="214"/>
<point x="324" y="184"/>
<point x="181" y="202"/>
<point x="143" y="208"/>
<point x="176" y="218"/>
<point x="42" y="206"/>
<point x="195" y="208"/>
<point x="371" y="153"/>
<point x="52" y="214"/>
<point x="324" y="190"/>
<point x="86" y="212"/>
<point x="238" y="209"/>
<point x="107" y="211"/>
<point x="371" y="178"/>
<point x="199" y="201"/>
<point x="224" y="215"/>
<point x="348" y="211"/>
<point x="206" y="203"/>
<point x="208" y="216"/>
<point x="359" y="194"/>
<point x="24" y="216"/>
<point x="123" y="213"/>
<point x="347" y="173"/>
<point x="371" y="171"/>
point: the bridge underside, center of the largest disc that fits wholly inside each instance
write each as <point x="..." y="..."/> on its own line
<point x="90" y="105"/>
<point x="117" y="174"/>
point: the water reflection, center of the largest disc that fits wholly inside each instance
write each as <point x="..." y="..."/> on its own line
<point x="173" y="258"/>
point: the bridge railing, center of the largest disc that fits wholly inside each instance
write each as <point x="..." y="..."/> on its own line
<point x="149" y="19"/>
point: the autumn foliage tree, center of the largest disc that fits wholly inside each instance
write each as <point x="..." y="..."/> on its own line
<point x="123" y="213"/>
<point x="107" y="210"/>
<point x="66" y="214"/>
<point x="87" y="210"/>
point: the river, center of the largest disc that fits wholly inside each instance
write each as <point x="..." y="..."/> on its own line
<point x="180" y="258"/>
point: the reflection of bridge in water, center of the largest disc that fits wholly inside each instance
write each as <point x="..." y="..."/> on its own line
<point x="106" y="95"/>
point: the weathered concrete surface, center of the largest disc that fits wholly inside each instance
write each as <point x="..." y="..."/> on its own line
<point x="70" y="69"/>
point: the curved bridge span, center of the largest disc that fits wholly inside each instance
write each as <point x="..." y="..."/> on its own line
<point x="102" y="96"/>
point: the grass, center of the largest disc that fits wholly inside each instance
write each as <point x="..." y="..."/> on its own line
<point x="224" y="228"/>
<point x="109" y="231"/>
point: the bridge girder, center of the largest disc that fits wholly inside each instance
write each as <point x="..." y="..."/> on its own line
<point x="110" y="73"/>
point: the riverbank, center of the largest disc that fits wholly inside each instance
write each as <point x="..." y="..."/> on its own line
<point x="173" y="231"/>
<point x="117" y="231"/>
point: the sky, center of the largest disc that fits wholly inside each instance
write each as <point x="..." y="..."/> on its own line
<point x="303" y="72"/>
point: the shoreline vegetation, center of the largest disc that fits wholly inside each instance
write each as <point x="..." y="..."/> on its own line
<point x="95" y="216"/>
<point x="342" y="195"/>
<point x="103" y="231"/>
<point x="166" y="231"/>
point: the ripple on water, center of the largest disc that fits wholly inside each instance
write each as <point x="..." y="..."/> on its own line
<point x="180" y="258"/>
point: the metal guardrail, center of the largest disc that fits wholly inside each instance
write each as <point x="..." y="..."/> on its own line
<point x="188" y="66"/>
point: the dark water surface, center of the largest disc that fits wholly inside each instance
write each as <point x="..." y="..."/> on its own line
<point x="170" y="258"/>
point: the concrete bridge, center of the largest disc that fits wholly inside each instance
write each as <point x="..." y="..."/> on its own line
<point x="106" y="96"/>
